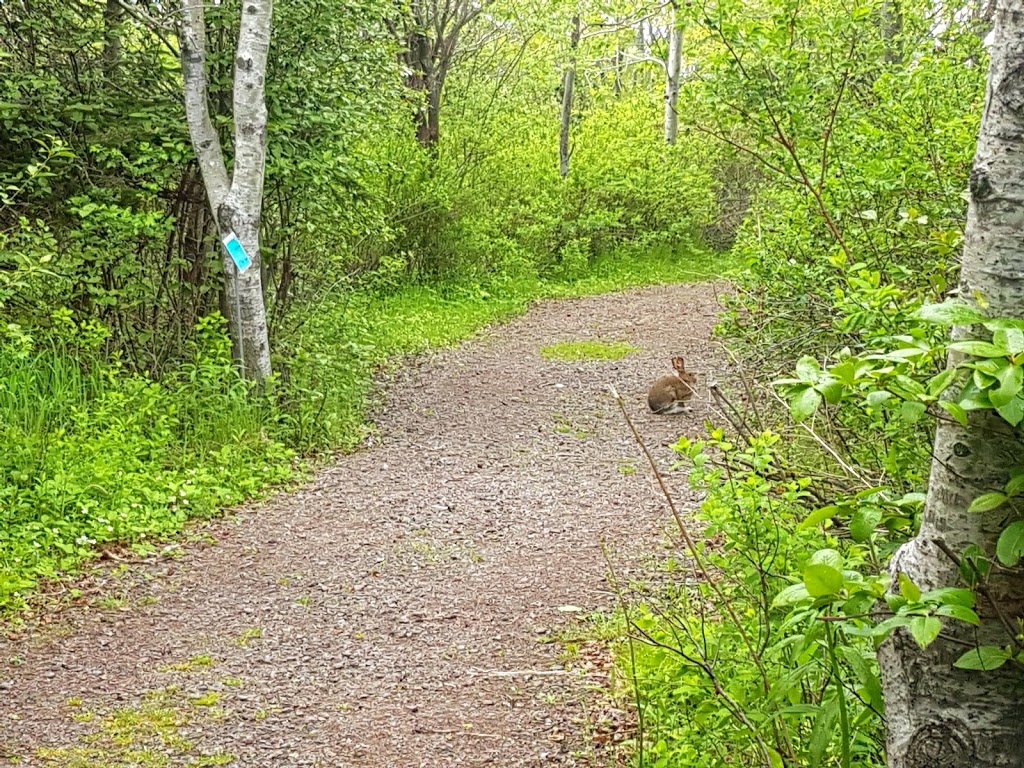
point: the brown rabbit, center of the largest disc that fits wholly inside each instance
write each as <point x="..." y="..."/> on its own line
<point x="668" y="395"/>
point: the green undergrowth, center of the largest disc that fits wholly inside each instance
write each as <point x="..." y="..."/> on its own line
<point x="92" y="455"/>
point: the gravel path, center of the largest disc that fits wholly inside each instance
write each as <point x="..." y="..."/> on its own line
<point x="392" y="612"/>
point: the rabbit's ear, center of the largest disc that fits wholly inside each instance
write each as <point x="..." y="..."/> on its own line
<point x="679" y="364"/>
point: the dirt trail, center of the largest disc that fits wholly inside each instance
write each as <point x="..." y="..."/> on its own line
<point x="389" y="613"/>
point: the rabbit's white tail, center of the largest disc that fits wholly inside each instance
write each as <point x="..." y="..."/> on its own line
<point x="673" y="408"/>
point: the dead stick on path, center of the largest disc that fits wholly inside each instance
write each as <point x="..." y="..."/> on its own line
<point x="523" y="672"/>
<point x="461" y="732"/>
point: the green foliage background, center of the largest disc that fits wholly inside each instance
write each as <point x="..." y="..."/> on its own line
<point x="121" y="415"/>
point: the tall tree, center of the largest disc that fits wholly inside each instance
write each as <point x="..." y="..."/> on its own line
<point x="235" y="201"/>
<point x="431" y="37"/>
<point x="672" y="71"/>
<point x="938" y="714"/>
<point x="568" y="88"/>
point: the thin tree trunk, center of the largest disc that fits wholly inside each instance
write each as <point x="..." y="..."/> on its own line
<point x="672" y="71"/>
<point x="938" y="715"/>
<point x="420" y="62"/>
<point x="892" y="27"/>
<point x="568" y="85"/>
<point x="112" y="15"/>
<point x="617" y="82"/>
<point x="236" y="203"/>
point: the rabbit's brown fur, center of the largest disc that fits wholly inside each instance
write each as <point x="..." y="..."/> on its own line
<point x="668" y="395"/>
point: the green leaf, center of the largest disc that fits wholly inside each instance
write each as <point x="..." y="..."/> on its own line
<point x="877" y="397"/>
<point x="822" y="732"/>
<point x="865" y="673"/>
<point x="974" y="565"/>
<point x="1010" y="546"/>
<point x="978" y="348"/>
<point x="912" y="386"/>
<point x="1016" y="485"/>
<point x="911" y="411"/>
<point x="984" y="657"/>
<point x="821" y="580"/>
<point x="832" y="391"/>
<point x="845" y="372"/>
<point x="1011" y="379"/>
<point x="925" y="629"/>
<point x="829" y="557"/>
<point x="883" y="628"/>
<point x="804" y="404"/>
<point x="938" y="383"/>
<point x="973" y="398"/>
<point x="1013" y="412"/>
<point x="954" y="410"/>
<point x="818" y="516"/>
<point x="987" y="501"/>
<point x="950" y="595"/>
<point x="807" y="369"/>
<point x="791" y="595"/>
<point x="950" y="312"/>
<point x="959" y="612"/>
<point x="864" y="522"/>
<point x="1010" y="339"/>
<point x="908" y="589"/>
<point x="1004" y="323"/>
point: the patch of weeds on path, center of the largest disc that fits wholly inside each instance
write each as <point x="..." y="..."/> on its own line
<point x="565" y="426"/>
<point x="571" y="351"/>
<point x="192" y="664"/>
<point x="248" y="635"/>
<point x="144" y="736"/>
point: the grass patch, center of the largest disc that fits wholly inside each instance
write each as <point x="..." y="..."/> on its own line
<point x="586" y="350"/>
<point x="145" y="736"/>
<point x="195" y="663"/>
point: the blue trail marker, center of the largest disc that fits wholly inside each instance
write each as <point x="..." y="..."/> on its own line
<point x="236" y="251"/>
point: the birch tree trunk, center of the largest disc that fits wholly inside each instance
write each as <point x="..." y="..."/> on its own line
<point x="938" y="715"/>
<point x="892" y="28"/>
<point x="568" y="85"/>
<point x="235" y="202"/>
<point x="674" y="66"/>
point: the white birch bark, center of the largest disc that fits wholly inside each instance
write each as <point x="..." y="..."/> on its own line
<point x="938" y="715"/>
<point x="236" y="202"/>
<point x="672" y="70"/>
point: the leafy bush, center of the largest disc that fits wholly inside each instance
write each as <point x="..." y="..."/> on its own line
<point x="767" y="654"/>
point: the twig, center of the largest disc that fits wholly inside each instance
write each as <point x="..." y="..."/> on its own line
<point x="527" y="672"/>
<point x="461" y="732"/>
<point x="698" y="559"/>
<point x="1010" y="630"/>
